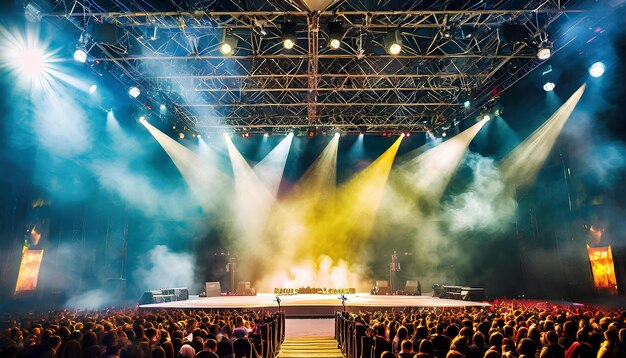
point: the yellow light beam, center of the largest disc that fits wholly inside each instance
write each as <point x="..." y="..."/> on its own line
<point x="355" y="210"/>
<point x="521" y="166"/>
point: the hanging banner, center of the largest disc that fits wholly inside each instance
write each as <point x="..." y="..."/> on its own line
<point x="29" y="271"/>
<point x="602" y="268"/>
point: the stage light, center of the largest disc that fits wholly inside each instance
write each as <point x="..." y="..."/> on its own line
<point x="311" y="132"/>
<point x="402" y="135"/>
<point x="465" y="98"/>
<point x="265" y="135"/>
<point x="80" y="55"/>
<point x="228" y="44"/>
<point x="337" y="134"/>
<point x="199" y="136"/>
<point x="335" y="33"/>
<point x="597" y="69"/>
<point x="181" y="135"/>
<point x="443" y="134"/>
<point x="163" y="108"/>
<point x="134" y="92"/>
<point x="549" y="86"/>
<point x="142" y="119"/>
<point x="290" y="134"/>
<point x="393" y="42"/>
<point x="93" y="89"/>
<point x="545" y="50"/>
<point x="497" y="109"/>
<point x="408" y="134"/>
<point x="289" y="35"/>
<point x="486" y="117"/>
<point x="225" y="135"/>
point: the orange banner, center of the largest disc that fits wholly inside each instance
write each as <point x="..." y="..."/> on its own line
<point x="29" y="271"/>
<point x="602" y="268"/>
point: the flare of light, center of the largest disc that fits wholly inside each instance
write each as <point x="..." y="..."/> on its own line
<point x="80" y="55"/>
<point x="288" y="44"/>
<point x="521" y="166"/>
<point x="205" y="180"/>
<point x="92" y="89"/>
<point x="395" y="49"/>
<point x="549" y="86"/>
<point x="28" y="58"/>
<point x="270" y="169"/>
<point x="426" y="173"/>
<point x="134" y="92"/>
<point x="597" y="69"/>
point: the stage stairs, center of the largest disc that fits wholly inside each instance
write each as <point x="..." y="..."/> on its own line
<point x="310" y="347"/>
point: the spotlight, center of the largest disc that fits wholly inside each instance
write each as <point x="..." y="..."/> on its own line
<point x="134" y="92"/>
<point x="228" y="44"/>
<point x="335" y="33"/>
<point x="337" y="134"/>
<point x="258" y="28"/>
<point x="402" y="135"/>
<point x="93" y="89"/>
<point x="162" y="108"/>
<point x="497" y="109"/>
<point x="486" y="117"/>
<point x="80" y="55"/>
<point x="443" y="134"/>
<point x="181" y="135"/>
<point x="408" y="134"/>
<point x="265" y="135"/>
<point x="311" y="132"/>
<point x="465" y="98"/>
<point x="142" y="119"/>
<point x="199" y="136"/>
<point x="289" y="35"/>
<point x="545" y="50"/>
<point x="393" y="42"/>
<point x="290" y="134"/>
<point x="246" y="135"/>
<point x="549" y="86"/>
<point x="597" y="69"/>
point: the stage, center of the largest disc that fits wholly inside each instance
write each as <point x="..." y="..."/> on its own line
<point x="312" y="305"/>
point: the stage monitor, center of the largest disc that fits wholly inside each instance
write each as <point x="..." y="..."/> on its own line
<point x="212" y="289"/>
<point x="412" y="287"/>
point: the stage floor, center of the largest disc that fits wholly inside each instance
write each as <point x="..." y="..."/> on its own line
<point x="312" y="305"/>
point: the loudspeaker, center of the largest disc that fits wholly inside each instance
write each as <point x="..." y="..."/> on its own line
<point x="181" y="294"/>
<point x="212" y="289"/>
<point x="412" y="287"/>
<point x="146" y="298"/>
<point x="105" y="33"/>
<point x="243" y="289"/>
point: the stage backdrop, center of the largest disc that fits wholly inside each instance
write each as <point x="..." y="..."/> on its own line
<point x="29" y="271"/>
<point x="602" y="268"/>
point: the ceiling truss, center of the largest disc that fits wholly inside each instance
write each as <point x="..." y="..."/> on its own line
<point x="449" y="51"/>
